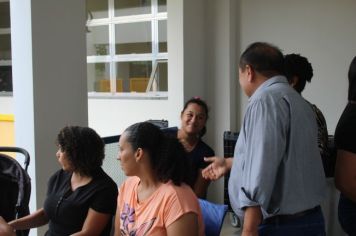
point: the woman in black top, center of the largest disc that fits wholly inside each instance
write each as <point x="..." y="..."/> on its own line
<point x="81" y="197"/>
<point x="193" y="126"/>
<point x="345" y="169"/>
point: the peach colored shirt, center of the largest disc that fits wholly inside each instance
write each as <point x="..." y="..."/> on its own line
<point x="153" y="215"/>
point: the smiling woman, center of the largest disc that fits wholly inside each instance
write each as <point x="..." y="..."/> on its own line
<point x="193" y="127"/>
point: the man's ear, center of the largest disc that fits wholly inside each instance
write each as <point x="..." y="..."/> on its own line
<point x="138" y="154"/>
<point x="250" y="73"/>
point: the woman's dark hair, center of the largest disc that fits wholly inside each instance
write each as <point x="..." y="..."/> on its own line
<point x="352" y="80"/>
<point x="202" y="104"/>
<point x="167" y="155"/>
<point x="84" y="148"/>
<point x="296" y="65"/>
<point x="264" y="58"/>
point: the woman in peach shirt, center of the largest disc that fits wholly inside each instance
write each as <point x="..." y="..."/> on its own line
<point x="155" y="200"/>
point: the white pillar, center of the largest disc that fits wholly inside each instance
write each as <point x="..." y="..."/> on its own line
<point x="175" y="55"/>
<point x="222" y="28"/>
<point x="49" y="81"/>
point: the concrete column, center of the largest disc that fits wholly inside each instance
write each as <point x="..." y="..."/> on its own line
<point x="194" y="41"/>
<point x="222" y="27"/>
<point x="175" y="55"/>
<point x="49" y="81"/>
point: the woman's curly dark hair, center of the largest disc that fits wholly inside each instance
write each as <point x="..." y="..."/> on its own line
<point x="84" y="148"/>
<point x="201" y="103"/>
<point x="297" y="65"/>
<point x="167" y="155"/>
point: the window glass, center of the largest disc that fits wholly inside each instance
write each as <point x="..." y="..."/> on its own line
<point x="98" y="40"/>
<point x="161" y="76"/>
<point x="5" y="47"/>
<point x="162" y="5"/>
<point x="123" y="34"/>
<point x="132" y="7"/>
<point x="4" y="15"/>
<point x="133" y="38"/>
<point x="162" y="35"/>
<point x="134" y="75"/>
<point x="97" y="9"/>
<point x="5" y="79"/>
<point x="98" y="77"/>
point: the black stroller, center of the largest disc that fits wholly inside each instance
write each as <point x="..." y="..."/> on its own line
<point x="15" y="186"/>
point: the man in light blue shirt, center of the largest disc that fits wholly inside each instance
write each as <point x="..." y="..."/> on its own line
<point x="277" y="181"/>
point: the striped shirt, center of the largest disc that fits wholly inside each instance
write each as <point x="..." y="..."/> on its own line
<point x="277" y="163"/>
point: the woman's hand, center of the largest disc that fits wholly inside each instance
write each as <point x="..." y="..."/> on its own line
<point x="6" y="229"/>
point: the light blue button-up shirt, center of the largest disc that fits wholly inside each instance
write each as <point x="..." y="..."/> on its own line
<point x="277" y="163"/>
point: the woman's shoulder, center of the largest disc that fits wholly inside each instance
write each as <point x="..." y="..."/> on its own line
<point x="59" y="175"/>
<point x="179" y="200"/>
<point x="170" y="131"/>
<point x="346" y="122"/>
<point x="103" y="180"/>
<point x="130" y="182"/>
<point x="59" y="179"/>
<point x="182" y="192"/>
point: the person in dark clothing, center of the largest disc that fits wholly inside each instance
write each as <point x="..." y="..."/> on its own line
<point x="193" y="127"/>
<point x="345" y="169"/>
<point x="299" y="71"/>
<point x="81" y="197"/>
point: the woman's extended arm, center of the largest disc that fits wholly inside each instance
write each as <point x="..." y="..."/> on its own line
<point x="36" y="219"/>
<point x="345" y="173"/>
<point x="186" y="225"/>
<point x="201" y="185"/>
<point x="94" y="224"/>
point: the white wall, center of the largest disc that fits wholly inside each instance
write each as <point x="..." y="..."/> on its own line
<point x="220" y="66"/>
<point x="186" y="75"/>
<point x="194" y="49"/>
<point x="49" y="80"/>
<point x="205" y="39"/>
<point x="6" y="105"/>
<point x="322" y="30"/>
<point x="111" y="116"/>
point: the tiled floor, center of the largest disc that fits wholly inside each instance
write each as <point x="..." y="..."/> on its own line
<point x="228" y="229"/>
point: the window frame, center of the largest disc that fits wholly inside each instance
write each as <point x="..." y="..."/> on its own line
<point x="111" y="21"/>
<point x="6" y="31"/>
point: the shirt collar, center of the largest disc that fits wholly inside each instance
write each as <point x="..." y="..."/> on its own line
<point x="267" y="83"/>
